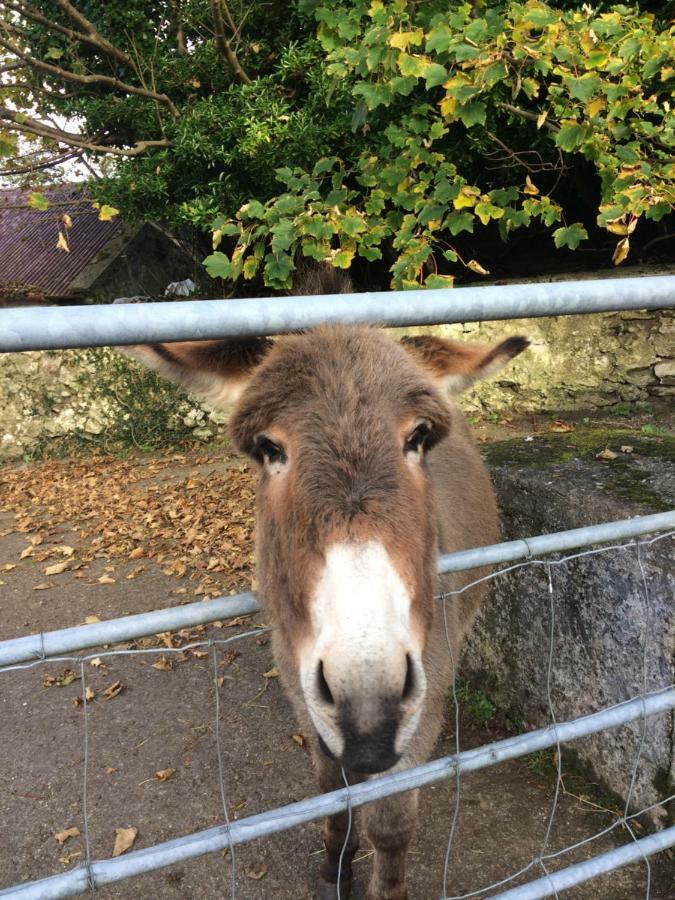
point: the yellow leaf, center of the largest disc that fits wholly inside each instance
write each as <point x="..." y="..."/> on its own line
<point x="57" y="568"/>
<point x="299" y="739"/>
<point x="448" y="106"/>
<point x="106" y="579"/>
<point x="62" y="243"/>
<point x="91" y="620"/>
<point x="617" y="227"/>
<point x="541" y="118"/>
<point x="106" y="213"/>
<point x="561" y="427"/>
<point x="468" y="196"/>
<point x="41" y="587"/>
<point x="596" y="106"/>
<point x="27" y="552"/>
<point x="124" y="840"/>
<point x="63" y="836"/>
<point x="257" y="874"/>
<point x="89" y="693"/>
<point x="67" y="221"/>
<point x="621" y="251"/>
<point x="97" y="663"/>
<point x="606" y="454"/>
<point x="273" y="673"/>
<point x="165" y="774"/>
<point x="530" y="187"/>
<point x="476" y="267"/>
<point x="402" y="39"/>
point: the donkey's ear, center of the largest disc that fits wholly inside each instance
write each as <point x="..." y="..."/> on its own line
<point x="457" y="365"/>
<point x="218" y="371"/>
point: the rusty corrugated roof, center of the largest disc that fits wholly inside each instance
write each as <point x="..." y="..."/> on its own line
<point x="28" y="250"/>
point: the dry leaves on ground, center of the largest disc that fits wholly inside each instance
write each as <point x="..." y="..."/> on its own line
<point x="113" y="690"/>
<point x="124" y="840"/>
<point x="63" y="836"/>
<point x="606" y="454"/>
<point x="198" y="527"/>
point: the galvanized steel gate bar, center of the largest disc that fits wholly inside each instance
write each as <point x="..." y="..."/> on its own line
<point x="55" y="328"/>
<point x="244" y="830"/>
<point x="82" y="637"/>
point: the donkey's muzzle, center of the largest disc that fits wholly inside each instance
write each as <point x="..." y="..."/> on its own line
<point x="370" y="752"/>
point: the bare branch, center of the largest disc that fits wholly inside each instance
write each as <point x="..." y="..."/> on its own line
<point x="222" y="43"/>
<point x="49" y="164"/>
<point x="26" y="125"/>
<point x="95" y="37"/>
<point x="524" y="114"/>
<point x="106" y="80"/>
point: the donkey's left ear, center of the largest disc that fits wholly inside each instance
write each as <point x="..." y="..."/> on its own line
<point x="458" y="366"/>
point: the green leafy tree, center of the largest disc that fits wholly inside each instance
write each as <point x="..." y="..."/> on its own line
<point x="396" y="133"/>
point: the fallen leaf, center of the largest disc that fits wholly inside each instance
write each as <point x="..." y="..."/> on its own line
<point x="561" y="427"/>
<point x="299" y="739"/>
<point x="112" y="691"/>
<point x="91" y="620"/>
<point x="257" y="873"/>
<point x="135" y="573"/>
<point x="606" y="454"/>
<point x="200" y="654"/>
<point x="35" y="539"/>
<point x="163" y="664"/>
<point x="41" y="587"/>
<point x="27" y="552"/>
<point x="124" y="840"/>
<point x="77" y="701"/>
<point x="97" y="663"/>
<point x="57" y="568"/>
<point x="273" y="673"/>
<point x="229" y="657"/>
<point x="67" y="858"/>
<point x="626" y="448"/>
<point x="7" y="567"/>
<point x="62" y="243"/>
<point x="90" y="693"/>
<point x="165" y="774"/>
<point x="110" y="770"/>
<point x="106" y="579"/>
<point x="137" y="553"/>
<point x="63" y="836"/>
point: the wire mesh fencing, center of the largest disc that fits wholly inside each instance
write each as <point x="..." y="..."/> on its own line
<point x="652" y="700"/>
<point x="122" y="324"/>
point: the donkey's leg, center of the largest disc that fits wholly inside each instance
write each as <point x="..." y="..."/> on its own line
<point x="334" y="835"/>
<point x="390" y="825"/>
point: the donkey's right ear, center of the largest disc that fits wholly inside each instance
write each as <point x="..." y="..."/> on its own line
<point x="218" y="371"/>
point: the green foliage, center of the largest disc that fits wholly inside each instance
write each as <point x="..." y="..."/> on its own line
<point x="431" y="87"/>
<point x="360" y="129"/>
<point x="476" y="704"/>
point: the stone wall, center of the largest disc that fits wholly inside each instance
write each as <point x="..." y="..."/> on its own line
<point x="613" y="631"/>
<point x="93" y="397"/>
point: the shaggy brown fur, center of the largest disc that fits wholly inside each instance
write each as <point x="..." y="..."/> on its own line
<point x="341" y="401"/>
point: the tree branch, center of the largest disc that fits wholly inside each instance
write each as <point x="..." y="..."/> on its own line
<point x="524" y="114"/>
<point x="95" y="37"/>
<point x="66" y="75"/>
<point x="222" y="43"/>
<point x="26" y="125"/>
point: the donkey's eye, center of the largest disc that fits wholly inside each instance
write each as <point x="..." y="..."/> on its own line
<point x="268" y="451"/>
<point x="420" y="438"/>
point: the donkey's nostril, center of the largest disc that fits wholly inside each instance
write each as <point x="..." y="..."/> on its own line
<point x="409" y="683"/>
<point x="324" y="691"/>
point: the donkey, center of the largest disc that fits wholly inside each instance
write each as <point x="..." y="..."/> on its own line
<point x="366" y="470"/>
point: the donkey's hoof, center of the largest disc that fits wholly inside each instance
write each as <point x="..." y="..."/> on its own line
<point x="328" y="890"/>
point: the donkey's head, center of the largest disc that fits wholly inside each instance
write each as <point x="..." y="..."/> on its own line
<point x="339" y="422"/>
